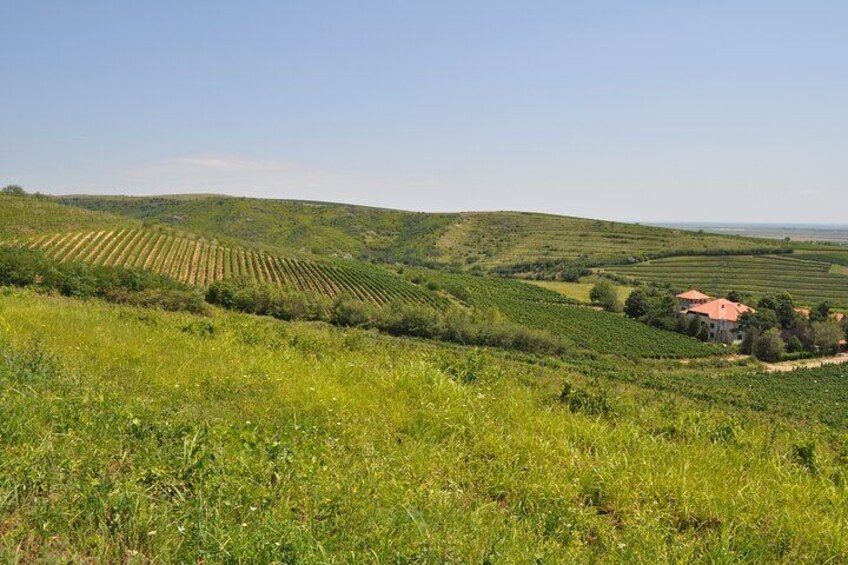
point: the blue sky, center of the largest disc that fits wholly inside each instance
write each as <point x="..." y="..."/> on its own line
<point x="647" y="111"/>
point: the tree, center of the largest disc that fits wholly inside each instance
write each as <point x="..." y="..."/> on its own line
<point x="802" y="331"/>
<point x="768" y="346"/>
<point x="821" y="312"/>
<point x="13" y="190"/>
<point x="636" y="304"/>
<point x="783" y="306"/>
<point x="605" y="295"/>
<point x="826" y="336"/>
<point x="693" y="327"/>
<point x="794" y="345"/>
<point x="736" y="296"/>
<point x="759" y="321"/>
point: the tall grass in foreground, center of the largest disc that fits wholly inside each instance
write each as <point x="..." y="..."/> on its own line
<point x="134" y="435"/>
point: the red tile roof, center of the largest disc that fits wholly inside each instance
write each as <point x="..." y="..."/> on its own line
<point x="838" y="316"/>
<point x="804" y="311"/>
<point x="721" y="309"/>
<point x="693" y="295"/>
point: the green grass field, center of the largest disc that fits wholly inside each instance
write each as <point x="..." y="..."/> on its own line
<point x="808" y="281"/>
<point x="579" y="291"/>
<point x="486" y="239"/>
<point x="28" y="216"/>
<point x="132" y="435"/>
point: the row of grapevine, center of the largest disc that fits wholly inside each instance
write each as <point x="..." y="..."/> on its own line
<point x="807" y="280"/>
<point x="806" y="394"/>
<point x="200" y="262"/>
<point x="590" y="329"/>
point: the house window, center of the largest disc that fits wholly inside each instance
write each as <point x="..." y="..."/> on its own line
<point x="712" y="325"/>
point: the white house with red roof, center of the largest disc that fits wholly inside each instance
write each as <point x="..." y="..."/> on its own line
<point x="692" y="298"/>
<point x="721" y="318"/>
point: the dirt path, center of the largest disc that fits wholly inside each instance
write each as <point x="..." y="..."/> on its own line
<point x="730" y="358"/>
<point x="784" y="366"/>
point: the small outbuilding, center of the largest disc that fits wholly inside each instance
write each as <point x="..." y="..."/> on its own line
<point x="692" y="298"/>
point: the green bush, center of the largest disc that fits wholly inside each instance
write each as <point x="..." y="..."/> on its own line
<point x="401" y="318"/>
<point x="768" y="346"/>
<point x="24" y="267"/>
<point x="352" y="313"/>
<point x="604" y="295"/>
<point x="267" y="300"/>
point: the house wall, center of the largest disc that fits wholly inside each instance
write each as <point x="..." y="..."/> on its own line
<point x="724" y="331"/>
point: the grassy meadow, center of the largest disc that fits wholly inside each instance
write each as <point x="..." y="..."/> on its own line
<point x="22" y="217"/>
<point x="121" y="442"/>
<point x="579" y="291"/>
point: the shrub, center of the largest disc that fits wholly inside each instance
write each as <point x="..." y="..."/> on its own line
<point x="605" y="295"/>
<point x="23" y="267"/>
<point x="768" y="346"/>
<point x="826" y="336"/>
<point x="412" y="320"/>
<point x="352" y="313"/>
<point x="163" y="299"/>
<point x="267" y="300"/>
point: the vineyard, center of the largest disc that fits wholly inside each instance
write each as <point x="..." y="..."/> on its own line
<point x="505" y="239"/>
<point x="200" y="262"/>
<point x="808" y="281"/>
<point x="587" y="328"/>
<point x="819" y="394"/>
<point x="486" y="240"/>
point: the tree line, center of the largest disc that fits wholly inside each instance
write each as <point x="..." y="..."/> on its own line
<point x="777" y="330"/>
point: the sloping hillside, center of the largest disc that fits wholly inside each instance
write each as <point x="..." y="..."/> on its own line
<point x="23" y="216"/>
<point x="197" y="261"/>
<point x="311" y="227"/>
<point x="508" y="241"/>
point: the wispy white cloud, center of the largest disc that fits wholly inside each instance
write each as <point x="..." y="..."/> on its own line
<point x="218" y="164"/>
<point x="215" y="173"/>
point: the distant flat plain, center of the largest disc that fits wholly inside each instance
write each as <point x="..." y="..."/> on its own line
<point x="833" y="233"/>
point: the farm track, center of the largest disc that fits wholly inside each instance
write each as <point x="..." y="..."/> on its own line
<point x="786" y="366"/>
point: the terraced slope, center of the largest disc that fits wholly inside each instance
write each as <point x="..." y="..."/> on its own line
<point x="200" y="262"/>
<point x="507" y="241"/>
<point x="31" y="215"/>
<point x="808" y="281"/>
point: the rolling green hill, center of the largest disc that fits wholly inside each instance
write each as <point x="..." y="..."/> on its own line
<point x="133" y="434"/>
<point x="808" y="281"/>
<point x="31" y="215"/>
<point x="512" y="242"/>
